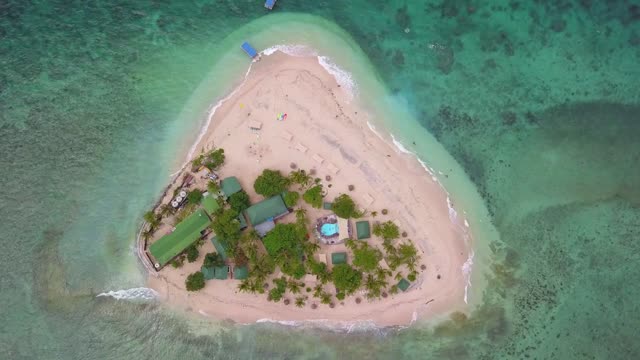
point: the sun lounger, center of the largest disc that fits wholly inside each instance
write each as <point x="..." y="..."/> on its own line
<point x="334" y="169"/>
<point x="255" y="125"/>
<point x="317" y="158"/>
<point x="286" y="136"/>
<point x="303" y="149"/>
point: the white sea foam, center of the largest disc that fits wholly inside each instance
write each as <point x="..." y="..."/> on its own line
<point x="399" y="145"/>
<point x="466" y="272"/>
<point x="453" y="214"/>
<point x="343" y="77"/>
<point x="290" y="49"/>
<point x="338" y="326"/>
<point x="140" y="293"/>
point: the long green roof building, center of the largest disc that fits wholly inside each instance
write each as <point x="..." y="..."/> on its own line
<point x="261" y="215"/>
<point x="186" y="233"/>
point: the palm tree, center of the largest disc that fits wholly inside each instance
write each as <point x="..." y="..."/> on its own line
<point x="301" y="215"/>
<point x="325" y="298"/>
<point x="294" y="286"/>
<point x="301" y="301"/>
<point x="244" y="286"/>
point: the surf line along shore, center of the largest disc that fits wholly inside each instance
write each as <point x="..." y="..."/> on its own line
<point x="325" y="133"/>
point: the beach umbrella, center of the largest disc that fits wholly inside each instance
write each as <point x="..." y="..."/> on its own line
<point x="175" y="204"/>
<point x="183" y="194"/>
<point x="179" y="198"/>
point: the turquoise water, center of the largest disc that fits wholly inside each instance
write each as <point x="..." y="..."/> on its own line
<point x="329" y="229"/>
<point x="538" y="102"/>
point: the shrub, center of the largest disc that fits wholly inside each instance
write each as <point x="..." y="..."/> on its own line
<point x="393" y="290"/>
<point x="346" y="279"/>
<point x="239" y="201"/>
<point x="213" y="260"/>
<point x="270" y="183"/>
<point x="351" y="187"/>
<point x="192" y="253"/>
<point x="194" y="197"/>
<point x="387" y="230"/>
<point x="291" y="198"/>
<point x="340" y="296"/>
<point x="344" y="207"/>
<point x="195" y="281"/>
<point x="313" y="196"/>
<point x="178" y="262"/>
<point x="411" y="277"/>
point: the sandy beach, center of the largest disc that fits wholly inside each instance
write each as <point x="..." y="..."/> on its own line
<point x="326" y="131"/>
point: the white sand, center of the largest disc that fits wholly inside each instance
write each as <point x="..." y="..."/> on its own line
<point x="326" y="132"/>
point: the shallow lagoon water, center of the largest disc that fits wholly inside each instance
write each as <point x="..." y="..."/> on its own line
<point x="537" y="102"/>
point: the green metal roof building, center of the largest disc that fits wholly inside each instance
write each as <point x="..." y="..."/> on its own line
<point x="210" y="204"/>
<point x="230" y="186"/>
<point x="215" y="272"/>
<point x="339" y="258"/>
<point x="268" y="209"/>
<point x="208" y="272"/>
<point x="363" y="230"/>
<point x="240" y="272"/>
<point x="185" y="234"/>
<point x="403" y="284"/>
<point x="220" y="249"/>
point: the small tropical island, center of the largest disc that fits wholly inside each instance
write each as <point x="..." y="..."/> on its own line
<point x="295" y="210"/>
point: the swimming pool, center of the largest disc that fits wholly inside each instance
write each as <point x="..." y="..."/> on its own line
<point x="329" y="229"/>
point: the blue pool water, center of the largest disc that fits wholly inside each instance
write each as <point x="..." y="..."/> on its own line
<point x="329" y="229"/>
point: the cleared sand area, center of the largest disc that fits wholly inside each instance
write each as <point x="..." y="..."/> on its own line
<point x="326" y="132"/>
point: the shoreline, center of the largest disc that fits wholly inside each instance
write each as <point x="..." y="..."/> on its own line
<point x="207" y="131"/>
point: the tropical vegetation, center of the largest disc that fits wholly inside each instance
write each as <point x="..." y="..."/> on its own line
<point x="270" y="183"/>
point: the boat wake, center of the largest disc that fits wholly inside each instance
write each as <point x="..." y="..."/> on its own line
<point x="140" y="293"/>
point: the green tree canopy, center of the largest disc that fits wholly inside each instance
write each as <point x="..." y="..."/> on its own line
<point x="291" y="198"/>
<point x="239" y="201"/>
<point x="366" y="257"/>
<point x="212" y="160"/>
<point x="213" y="260"/>
<point x="194" y="196"/>
<point x="195" y="281"/>
<point x="346" y="279"/>
<point x="270" y="183"/>
<point x="345" y="207"/>
<point x="387" y="230"/>
<point x="285" y="240"/>
<point x="313" y="196"/>
<point x="227" y="228"/>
